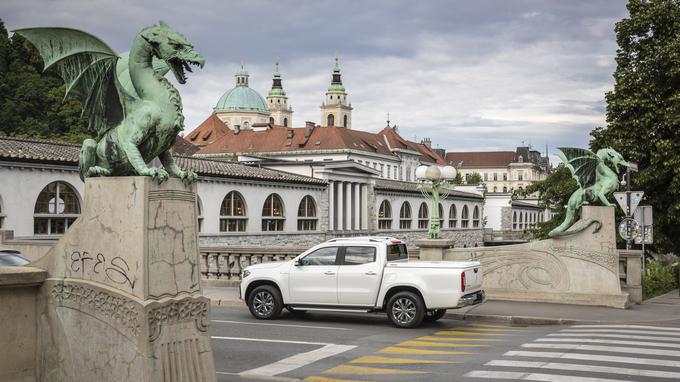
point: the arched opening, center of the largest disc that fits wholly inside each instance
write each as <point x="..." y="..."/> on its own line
<point x="57" y="208"/>
<point x="331" y="120"/>
<point x="344" y="121"/>
<point x="453" y="216"/>
<point x="285" y="122"/>
<point x="307" y="214"/>
<point x="475" y="217"/>
<point x="385" y="215"/>
<point x="405" y="216"/>
<point x="272" y="214"/>
<point x="505" y="189"/>
<point x="233" y="213"/>
<point x="423" y="216"/>
<point x="465" y="217"/>
<point x="271" y="120"/>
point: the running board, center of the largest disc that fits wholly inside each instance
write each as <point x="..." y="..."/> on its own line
<point x="347" y="309"/>
<point x="337" y="310"/>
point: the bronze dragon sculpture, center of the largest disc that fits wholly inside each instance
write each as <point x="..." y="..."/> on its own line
<point x="133" y="108"/>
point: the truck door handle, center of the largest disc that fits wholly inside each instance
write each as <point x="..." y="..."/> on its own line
<point x="371" y="273"/>
<point x="329" y="273"/>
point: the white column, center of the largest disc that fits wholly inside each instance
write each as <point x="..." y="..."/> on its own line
<point x="348" y="205"/>
<point x="341" y="205"/>
<point x="364" y="206"/>
<point x="357" y="204"/>
<point x="331" y="206"/>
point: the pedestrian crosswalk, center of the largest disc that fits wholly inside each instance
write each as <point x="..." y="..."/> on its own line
<point x="591" y="353"/>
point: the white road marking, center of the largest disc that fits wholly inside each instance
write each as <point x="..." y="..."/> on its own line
<point x="535" y="377"/>
<point x="589" y="368"/>
<point x="628" y="327"/>
<point x="614" y="342"/>
<point x="266" y="340"/>
<point x="297" y="361"/>
<point x="292" y="362"/>
<point x="614" y="349"/>
<point x="285" y="325"/>
<point x="672" y="335"/>
<point x="626" y="336"/>
<point x="594" y="357"/>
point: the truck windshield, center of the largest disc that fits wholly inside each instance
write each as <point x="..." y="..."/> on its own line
<point x="396" y="252"/>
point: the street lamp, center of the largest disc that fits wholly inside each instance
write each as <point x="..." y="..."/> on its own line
<point x="435" y="183"/>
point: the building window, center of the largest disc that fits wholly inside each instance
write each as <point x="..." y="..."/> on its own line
<point x="514" y="220"/>
<point x="233" y="213"/>
<point x="272" y="214"/>
<point x="331" y="120"/>
<point x="486" y="176"/>
<point x="405" y="216"/>
<point x="505" y="176"/>
<point x="307" y="214"/>
<point x="520" y="175"/>
<point x="271" y="120"/>
<point x="495" y="176"/>
<point x="385" y="215"/>
<point x="453" y="216"/>
<point x="246" y="125"/>
<point x="344" y="121"/>
<point x="285" y="122"/>
<point x="505" y="189"/>
<point x="475" y="217"/>
<point x="520" y="159"/>
<point x="465" y="217"/>
<point x="199" y="213"/>
<point x="495" y="189"/>
<point x="423" y="216"/>
<point x="56" y="209"/>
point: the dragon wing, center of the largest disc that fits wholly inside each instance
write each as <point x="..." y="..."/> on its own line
<point x="581" y="162"/>
<point x="88" y="67"/>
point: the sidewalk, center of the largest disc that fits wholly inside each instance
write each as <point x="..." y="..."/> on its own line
<point x="658" y="309"/>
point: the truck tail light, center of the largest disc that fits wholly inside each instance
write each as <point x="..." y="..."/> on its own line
<point x="462" y="282"/>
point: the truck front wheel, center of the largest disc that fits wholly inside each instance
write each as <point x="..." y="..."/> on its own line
<point x="265" y="303"/>
<point x="406" y="310"/>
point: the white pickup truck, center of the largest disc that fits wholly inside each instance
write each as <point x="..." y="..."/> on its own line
<point x="362" y="274"/>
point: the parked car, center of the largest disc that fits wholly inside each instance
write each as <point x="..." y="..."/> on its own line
<point x="362" y="274"/>
<point x="12" y="258"/>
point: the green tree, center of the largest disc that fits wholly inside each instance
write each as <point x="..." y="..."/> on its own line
<point x="553" y="193"/>
<point x="473" y="178"/>
<point x="643" y="110"/>
<point x="31" y="101"/>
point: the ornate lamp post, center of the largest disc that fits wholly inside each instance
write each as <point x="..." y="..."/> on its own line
<point x="435" y="183"/>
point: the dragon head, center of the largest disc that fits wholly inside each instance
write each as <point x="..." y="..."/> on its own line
<point x="611" y="155"/>
<point x="173" y="48"/>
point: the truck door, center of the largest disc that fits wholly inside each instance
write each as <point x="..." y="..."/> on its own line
<point x="314" y="280"/>
<point x="359" y="276"/>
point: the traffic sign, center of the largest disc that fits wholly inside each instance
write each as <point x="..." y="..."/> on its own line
<point x="644" y="216"/>
<point x="635" y="199"/>
<point x="629" y="229"/>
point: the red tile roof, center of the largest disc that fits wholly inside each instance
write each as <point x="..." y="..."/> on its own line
<point x="208" y="131"/>
<point x="473" y="159"/>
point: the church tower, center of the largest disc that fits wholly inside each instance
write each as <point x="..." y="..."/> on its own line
<point x="336" y="111"/>
<point x="277" y="101"/>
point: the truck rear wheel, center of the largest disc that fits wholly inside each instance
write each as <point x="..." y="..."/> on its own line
<point x="435" y="314"/>
<point x="265" y="303"/>
<point x="406" y="310"/>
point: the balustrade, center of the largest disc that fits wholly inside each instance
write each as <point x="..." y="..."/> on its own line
<point x="227" y="263"/>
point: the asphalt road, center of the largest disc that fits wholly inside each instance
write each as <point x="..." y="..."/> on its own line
<point x="329" y="347"/>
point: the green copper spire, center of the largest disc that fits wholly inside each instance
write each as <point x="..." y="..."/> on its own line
<point x="336" y="83"/>
<point x="242" y="76"/>
<point x="277" y="87"/>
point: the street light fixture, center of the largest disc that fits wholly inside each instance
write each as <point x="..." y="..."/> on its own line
<point x="435" y="183"/>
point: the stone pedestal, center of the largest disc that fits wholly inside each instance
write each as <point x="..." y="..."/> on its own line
<point x="433" y="249"/>
<point x="123" y="301"/>
<point x="632" y="264"/>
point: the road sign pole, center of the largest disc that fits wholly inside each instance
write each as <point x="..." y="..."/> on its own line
<point x="628" y="203"/>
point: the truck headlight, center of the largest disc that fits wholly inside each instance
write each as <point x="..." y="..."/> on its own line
<point x="246" y="273"/>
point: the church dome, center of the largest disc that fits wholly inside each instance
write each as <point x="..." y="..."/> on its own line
<point x="242" y="98"/>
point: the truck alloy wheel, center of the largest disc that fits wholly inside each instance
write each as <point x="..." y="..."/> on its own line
<point x="406" y="310"/>
<point x="265" y="302"/>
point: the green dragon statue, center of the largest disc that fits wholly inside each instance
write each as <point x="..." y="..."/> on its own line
<point x="595" y="179"/>
<point x="133" y="108"/>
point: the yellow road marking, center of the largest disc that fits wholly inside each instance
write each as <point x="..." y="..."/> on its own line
<point x="433" y="338"/>
<point x="314" y="378"/>
<point x="439" y="344"/>
<point x="412" y="351"/>
<point x="388" y="360"/>
<point x="364" y="370"/>
<point x="460" y="333"/>
<point x="490" y="330"/>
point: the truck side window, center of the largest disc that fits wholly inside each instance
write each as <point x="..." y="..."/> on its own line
<point x="322" y="256"/>
<point x="396" y="252"/>
<point x="359" y="255"/>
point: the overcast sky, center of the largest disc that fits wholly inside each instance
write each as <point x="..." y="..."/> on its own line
<point x="471" y="75"/>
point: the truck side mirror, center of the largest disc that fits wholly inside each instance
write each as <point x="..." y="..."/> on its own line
<point x="297" y="263"/>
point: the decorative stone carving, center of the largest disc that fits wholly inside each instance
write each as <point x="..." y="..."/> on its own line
<point x="178" y="311"/>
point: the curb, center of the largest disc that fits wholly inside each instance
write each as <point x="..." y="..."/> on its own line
<point x="216" y="302"/>
<point x="512" y="320"/>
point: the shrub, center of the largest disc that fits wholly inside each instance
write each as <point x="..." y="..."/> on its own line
<point x="659" y="278"/>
